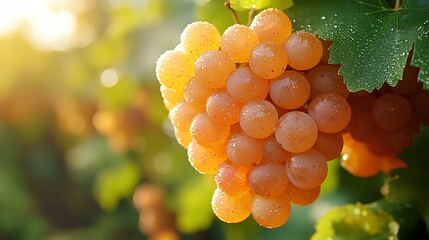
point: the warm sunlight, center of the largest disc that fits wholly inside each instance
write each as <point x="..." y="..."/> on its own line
<point x="43" y="22"/>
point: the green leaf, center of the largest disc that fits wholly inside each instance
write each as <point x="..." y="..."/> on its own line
<point x="355" y="222"/>
<point x="371" y="39"/>
<point x="408" y="185"/>
<point x="241" y="5"/>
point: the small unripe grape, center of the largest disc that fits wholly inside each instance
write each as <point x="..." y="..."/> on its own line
<point x="331" y="112"/>
<point x="232" y="178"/>
<point x="272" y="25"/>
<point x="268" y="179"/>
<point x="329" y="145"/>
<point x="170" y="96"/>
<point x="238" y="42"/>
<point x="296" y="132"/>
<point x="391" y="112"/>
<point x="307" y="170"/>
<point x="199" y="37"/>
<point x="223" y="108"/>
<point x="206" y="160"/>
<point x="302" y="197"/>
<point x="245" y="86"/>
<point x="271" y="212"/>
<point x="304" y="50"/>
<point x="244" y="150"/>
<point x="273" y="151"/>
<point x="174" y="69"/>
<point x="290" y="90"/>
<point x="268" y="60"/>
<point x="258" y="118"/>
<point x="207" y="132"/>
<point x="231" y="209"/>
<point x="325" y="79"/>
<point x="212" y="68"/>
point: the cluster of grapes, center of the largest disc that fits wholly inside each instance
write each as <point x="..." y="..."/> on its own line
<point x="154" y="219"/>
<point x="259" y="108"/>
<point x="384" y="122"/>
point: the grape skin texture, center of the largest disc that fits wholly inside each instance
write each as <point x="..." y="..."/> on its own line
<point x="223" y="108"/>
<point x="232" y="178"/>
<point x="206" y="160"/>
<point x="272" y="25"/>
<point x="199" y="37"/>
<point x="391" y="112"/>
<point x="238" y="42"/>
<point x="258" y="118"/>
<point x="271" y="212"/>
<point x="231" y="209"/>
<point x="268" y="179"/>
<point x="245" y="86"/>
<point x="290" y="90"/>
<point x="174" y="69"/>
<point x="212" y="69"/>
<point x="207" y="132"/>
<point x="244" y="150"/>
<point x="304" y="50"/>
<point x="268" y="60"/>
<point x="302" y="197"/>
<point x="325" y="79"/>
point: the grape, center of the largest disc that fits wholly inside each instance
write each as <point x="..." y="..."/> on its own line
<point x="329" y="145"/>
<point x="223" y="108"/>
<point x="331" y="112"/>
<point x="199" y="37"/>
<point x="182" y="137"/>
<point x="391" y="112"/>
<point x="258" y="118"/>
<point x="390" y="163"/>
<point x="296" y="132"/>
<point x="272" y="25"/>
<point x="238" y="42"/>
<point x="207" y="132"/>
<point x="268" y="179"/>
<point x="244" y="150"/>
<point x="232" y="178"/>
<point x="325" y="79"/>
<point x="170" y="96"/>
<point x="196" y="94"/>
<point x="273" y="151"/>
<point x="231" y="209"/>
<point x="326" y="53"/>
<point x="358" y="160"/>
<point x="268" y="60"/>
<point x="271" y="212"/>
<point x="181" y="115"/>
<point x="148" y="195"/>
<point x="290" y="90"/>
<point x="362" y="126"/>
<point x="206" y="160"/>
<point x="307" y="170"/>
<point x="212" y="69"/>
<point x="304" y="50"/>
<point x="174" y="69"/>
<point x="302" y="197"/>
<point x="245" y="86"/>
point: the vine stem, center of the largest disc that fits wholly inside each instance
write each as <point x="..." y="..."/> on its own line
<point x="251" y="15"/>
<point x="233" y="12"/>
<point x="397" y="4"/>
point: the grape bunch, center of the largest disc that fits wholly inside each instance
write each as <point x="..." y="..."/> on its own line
<point x="383" y="123"/>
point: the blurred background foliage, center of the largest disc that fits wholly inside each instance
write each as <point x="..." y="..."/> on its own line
<point x="82" y="126"/>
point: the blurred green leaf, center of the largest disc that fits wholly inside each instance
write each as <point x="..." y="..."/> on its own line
<point x="241" y="5"/>
<point x="354" y="222"/>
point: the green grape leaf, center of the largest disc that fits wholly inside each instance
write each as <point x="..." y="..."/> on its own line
<point x="241" y="5"/>
<point x="371" y="40"/>
<point x="407" y="186"/>
<point x="355" y="222"/>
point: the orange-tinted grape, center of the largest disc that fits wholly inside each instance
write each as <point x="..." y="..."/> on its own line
<point x="207" y="132"/>
<point x="174" y="69"/>
<point x="325" y="79"/>
<point x="223" y="108"/>
<point x="206" y="160"/>
<point x="244" y="150"/>
<point x="268" y="179"/>
<point x="302" y="197"/>
<point x="290" y="90"/>
<point x="296" y="132"/>
<point x="326" y="52"/>
<point x="238" y="42"/>
<point x="272" y="25"/>
<point x="199" y="37"/>
<point x="331" y="112"/>
<point x="268" y="60"/>
<point x="245" y="86"/>
<point x="183" y="137"/>
<point x="232" y="178"/>
<point x="329" y="145"/>
<point x="231" y="209"/>
<point x="182" y="114"/>
<point x="307" y="170"/>
<point x="271" y="212"/>
<point x="273" y="151"/>
<point x="196" y="94"/>
<point x="212" y="68"/>
<point x="391" y="112"/>
<point x="258" y="118"/>
<point x="170" y="96"/>
<point x="304" y="50"/>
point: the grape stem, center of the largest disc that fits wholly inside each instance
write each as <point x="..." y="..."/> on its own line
<point x="397" y="4"/>
<point x="233" y="12"/>
<point x="251" y="15"/>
